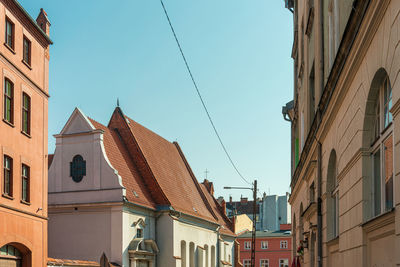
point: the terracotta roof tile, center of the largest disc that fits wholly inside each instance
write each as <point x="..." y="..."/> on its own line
<point x="170" y="172"/>
<point x="118" y="156"/>
<point x="223" y="220"/>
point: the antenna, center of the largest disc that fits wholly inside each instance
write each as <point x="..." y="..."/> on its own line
<point x="117" y="102"/>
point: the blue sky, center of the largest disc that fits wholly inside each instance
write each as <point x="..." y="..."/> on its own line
<point x="239" y="52"/>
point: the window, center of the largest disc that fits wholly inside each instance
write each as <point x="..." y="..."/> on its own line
<point x="26" y="113"/>
<point x="9" y="33"/>
<point x="8" y="101"/>
<point x="332" y="188"/>
<point x="25" y="182"/>
<point x="264" y="263"/>
<point x="8" y="176"/>
<point x="264" y="244"/>
<point x="10" y="256"/>
<point x="213" y="256"/>
<point x="247" y="245"/>
<point x="246" y="263"/>
<point x="284" y="244"/>
<point x="283" y="262"/>
<point x="382" y="150"/>
<point x="27" y="51"/>
<point x="333" y="30"/>
<point x="183" y="253"/>
<point x="312" y="193"/>
<point x="77" y="168"/>
<point x="139" y="233"/>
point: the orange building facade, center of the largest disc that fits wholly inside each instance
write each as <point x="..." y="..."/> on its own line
<point x="24" y="68"/>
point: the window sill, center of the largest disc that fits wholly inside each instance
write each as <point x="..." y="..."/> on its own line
<point x="7" y="196"/>
<point x="27" y="64"/>
<point x="333" y="241"/>
<point x="26" y="134"/>
<point x="9" y="123"/>
<point x="25" y="202"/>
<point x="379" y="220"/>
<point x="9" y="48"/>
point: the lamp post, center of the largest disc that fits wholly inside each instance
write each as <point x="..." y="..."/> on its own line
<point x="253" y="234"/>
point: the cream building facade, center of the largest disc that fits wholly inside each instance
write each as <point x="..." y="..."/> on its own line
<point x="345" y="187"/>
<point x="127" y="192"/>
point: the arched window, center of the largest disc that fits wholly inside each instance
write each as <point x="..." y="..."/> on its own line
<point x="378" y="138"/>
<point x="10" y="256"/>
<point x="191" y="254"/>
<point x="206" y="257"/>
<point x="183" y="253"/>
<point x="212" y="256"/>
<point x="332" y="192"/>
<point x="77" y="168"/>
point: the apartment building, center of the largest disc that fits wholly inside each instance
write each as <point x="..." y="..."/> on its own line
<point x="24" y="64"/>
<point x="345" y="192"/>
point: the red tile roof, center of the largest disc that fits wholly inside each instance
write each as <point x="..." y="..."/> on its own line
<point x="119" y="158"/>
<point x="157" y="171"/>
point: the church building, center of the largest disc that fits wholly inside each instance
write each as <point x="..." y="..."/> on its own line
<point x="125" y="191"/>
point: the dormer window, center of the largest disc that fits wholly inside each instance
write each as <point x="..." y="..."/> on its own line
<point x="77" y="168"/>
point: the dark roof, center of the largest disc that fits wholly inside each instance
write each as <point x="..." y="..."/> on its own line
<point x="242" y="207"/>
<point x="266" y="234"/>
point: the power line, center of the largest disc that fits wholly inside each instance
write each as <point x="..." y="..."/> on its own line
<point x="201" y="98"/>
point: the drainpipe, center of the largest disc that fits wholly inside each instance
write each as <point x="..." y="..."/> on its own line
<point x="218" y="252"/>
<point x="319" y="223"/>
<point x="321" y="84"/>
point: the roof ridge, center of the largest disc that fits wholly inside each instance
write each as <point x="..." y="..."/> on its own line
<point x="141" y="125"/>
<point x="136" y="143"/>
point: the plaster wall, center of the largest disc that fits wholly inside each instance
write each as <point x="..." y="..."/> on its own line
<point x="343" y="132"/>
<point x="130" y="224"/>
<point x="85" y="233"/>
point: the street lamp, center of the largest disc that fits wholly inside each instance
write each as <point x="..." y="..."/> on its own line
<point x="253" y="234"/>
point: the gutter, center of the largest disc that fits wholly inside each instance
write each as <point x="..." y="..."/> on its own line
<point x="33" y="22"/>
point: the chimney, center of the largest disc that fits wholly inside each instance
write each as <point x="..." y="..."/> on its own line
<point x="230" y="199"/>
<point x="209" y="185"/>
<point x="43" y="22"/>
<point x="223" y="205"/>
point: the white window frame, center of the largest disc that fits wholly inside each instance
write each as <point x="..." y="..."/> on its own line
<point x="247" y="245"/>
<point x="381" y="135"/>
<point x="282" y="246"/>
<point x="246" y="262"/>
<point x="265" y="263"/>
<point x="264" y="244"/>
<point x="283" y="264"/>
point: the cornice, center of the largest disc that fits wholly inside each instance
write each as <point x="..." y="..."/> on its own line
<point x="363" y="23"/>
<point x="27" y="21"/>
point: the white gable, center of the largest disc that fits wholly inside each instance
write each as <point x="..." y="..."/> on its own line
<point x="77" y="123"/>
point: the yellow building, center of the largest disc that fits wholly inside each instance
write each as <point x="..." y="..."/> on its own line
<point x="345" y="187"/>
<point x="242" y="223"/>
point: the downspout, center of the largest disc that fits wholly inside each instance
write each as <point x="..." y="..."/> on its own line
<point x="319" y="223"/>
<point x="218" y="248"/>
<point x="322" y="78"/>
